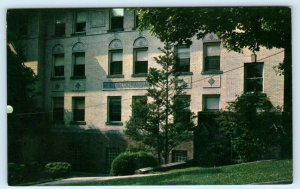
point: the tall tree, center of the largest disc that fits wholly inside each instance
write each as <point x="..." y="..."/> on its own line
<point x="238" y="28"/>
<point x="166" y="120"/>
<point x="21" y="92"/>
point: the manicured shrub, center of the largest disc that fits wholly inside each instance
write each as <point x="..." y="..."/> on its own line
<point x="127" y="162"/>
<point x="146" y="160"/>
<point x="16" y="173"/>
<point x="58" y="169"/>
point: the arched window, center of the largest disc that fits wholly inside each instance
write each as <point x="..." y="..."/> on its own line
<point x="211" y="53"/>
<point x="140" y="57"/>
<point x="78" y="60"/>
<point x="115" y="64"/>
<point x="58" y="61"/>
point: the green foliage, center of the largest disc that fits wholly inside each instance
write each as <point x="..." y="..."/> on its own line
<point x="127" y="162"/>
<point x="152" y="123"/>
<point x="254" y="127"/>
<point x="16" y="173"/>
<point x="22" y="95"/>
<point x="213" y="147"/>
<point x="58" y="169"/>
<point x="238" y="27"/>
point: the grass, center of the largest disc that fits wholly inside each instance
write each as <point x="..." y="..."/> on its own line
<point x="273" y="171"/>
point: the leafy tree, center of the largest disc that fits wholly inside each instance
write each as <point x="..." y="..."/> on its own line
<point x="238" y="28"/>
<point x="21" y="92"/>
<point x="165" y="121"/>
<point x="253" y="125"/>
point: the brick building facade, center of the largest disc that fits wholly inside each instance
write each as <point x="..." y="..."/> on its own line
<point x="91" y="63"/>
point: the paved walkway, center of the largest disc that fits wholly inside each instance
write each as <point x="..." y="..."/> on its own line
<point x="90" y="179"/>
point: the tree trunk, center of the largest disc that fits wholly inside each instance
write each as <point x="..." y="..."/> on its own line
<point x="287" y="146"/>
<point x="167" y="120"/>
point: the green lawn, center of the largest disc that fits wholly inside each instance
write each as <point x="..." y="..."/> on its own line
<point x="248" y="173"/>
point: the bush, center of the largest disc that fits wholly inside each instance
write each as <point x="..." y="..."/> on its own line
<point x="212" y="147"/>
<point x="58" y="169"/>
<point x="16" y="173"/>
<point x="127" y="162"/>
<point x="254" y="126"/>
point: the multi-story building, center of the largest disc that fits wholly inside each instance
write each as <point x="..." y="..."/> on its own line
<point x="92" y="63"/>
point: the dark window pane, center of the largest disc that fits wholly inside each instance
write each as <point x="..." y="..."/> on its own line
<point x="60" y="29"/>
<point x="79" y="70"/>
<point x="59" y="71"/>
<point x="117" y="22"/>
<point x="253" y="77"/>
<point x="78" y="108"/>
<point x="80" y="27"/>
<point x="78" y="115"/>
<point x="79" y="64"/>
<point x="179" y="155"/>
<point x="115" y="68"/>
<point x="254" y="84"/>
<point x="183" y="65"/>
<point x="137" y="20"/>
<point x="254" y="70"/>
<point x="114" y="108"/>
<point x="58" y="109"/>
<point x="141" y="67"/>
<point x="212" y="63"/>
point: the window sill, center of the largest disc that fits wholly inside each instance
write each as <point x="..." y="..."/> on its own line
<point x="184" y="73"/>
<point x="58" y="78"/>
<point x="115" y="30"/>
<point x="59" y="36"/>
<point x="116" y="76"/>
<point x="114" y="123"/>
<point x="139" y="75"/>
<point x="212" y="72"/>
<point x="251" y="92"/>
<point x="78" y="33"/>
<point x="78" y="122"/>
<point x="57" y="122"/>
<point x="78" y="77"/>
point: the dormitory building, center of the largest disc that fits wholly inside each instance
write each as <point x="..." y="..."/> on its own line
<point x="92" y="63"/>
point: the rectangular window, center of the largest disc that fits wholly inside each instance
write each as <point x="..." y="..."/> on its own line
<point x="211" y="57"/>
<point x="211" y="102"/>
<point x="179" y="155"/>
<point x="253" y="77"/>
<point x="116" y="62"/>
<point x="60" y="26"/>
<point x="114" y="109"/>
<point x="58" y="65"/>
<point x="182" y="109"/>
<point x="136" y="20"/>
<point x="80" y="25"/>
<point x="183" y="61"/>
<point x="79" y="64"/>
<point x="58" y="109"/>
<point x="141" y="61"/>
<point x="117" y="19"/>
<point x="78" y="108"/>
<point x="111" y="154"/>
